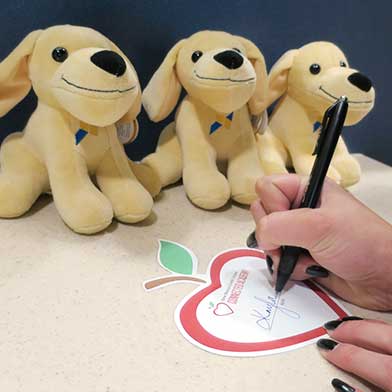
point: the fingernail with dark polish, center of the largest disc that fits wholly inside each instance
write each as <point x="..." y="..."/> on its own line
<point x="251" y="242"/>
<point x="326" y="344"/>
<point x="331" y="325"/>
<point x="341" y="386"/>
<point x="270" y="264"/>
<point x="352" y="318"/>
<point x="317" y="272"/>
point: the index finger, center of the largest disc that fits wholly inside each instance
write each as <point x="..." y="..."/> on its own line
<point x="280" y="192"/>
<point x="285" y="192"/>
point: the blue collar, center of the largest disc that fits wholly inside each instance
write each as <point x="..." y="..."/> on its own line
<point x="316" y="126"/>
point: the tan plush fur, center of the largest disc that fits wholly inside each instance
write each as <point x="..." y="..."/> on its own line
<point x="72" y="94"/>
<point x="290" y="139"/>
<point x="214" y="91"/>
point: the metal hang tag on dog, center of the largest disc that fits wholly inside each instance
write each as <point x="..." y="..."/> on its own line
<point x="127" y="132"/>
<point x="260" y="122"/>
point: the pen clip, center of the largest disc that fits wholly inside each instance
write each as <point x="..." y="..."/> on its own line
<point x="324" y="127"/>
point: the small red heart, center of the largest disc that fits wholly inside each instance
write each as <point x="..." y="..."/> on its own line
<point x="222" y="309"/>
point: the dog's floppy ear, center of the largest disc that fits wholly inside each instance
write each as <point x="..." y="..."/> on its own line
<point x="15" y="83"/>
<point x="134" y="110"/>
<point x="279" y="74"/>
<point x="163" y="90"/>
<point x="258" y="102"/>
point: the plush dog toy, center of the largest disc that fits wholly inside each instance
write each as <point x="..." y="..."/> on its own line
<point x="84" y="84"/>
<point x="310" y="80"/>
<point x="226" y="82"/>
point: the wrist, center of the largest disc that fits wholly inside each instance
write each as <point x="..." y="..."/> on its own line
<point x="382" y="263"/>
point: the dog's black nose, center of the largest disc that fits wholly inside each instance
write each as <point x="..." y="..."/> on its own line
<point x="230" y="59"/>
<point x="361" y="81"/>
<point x="110" y="62"/>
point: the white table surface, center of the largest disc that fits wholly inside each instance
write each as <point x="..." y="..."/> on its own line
<point x="74" y="315"/>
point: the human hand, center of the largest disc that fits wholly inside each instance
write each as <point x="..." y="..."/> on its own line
<point x="350" y="247"/>
<point x="360" y="347"/>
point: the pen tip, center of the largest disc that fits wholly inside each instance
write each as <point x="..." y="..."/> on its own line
<point x="280" y="283"/>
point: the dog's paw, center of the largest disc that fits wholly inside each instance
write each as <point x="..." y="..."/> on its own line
<point x="303" y="166"/>
<point x="132" y="203"/>
<point x="349" y="170"/>
<point x="138" y="208"/>
<point x="208" y="190"/>
<point x="147" y="177"/>
<point x="243" y="187"/>
<point x="85" y="211"/>
<point x="245" y="198"/>
<point x="334" y="174"/>
<point x="271" y="167"/>
<point x="15" y="198"/>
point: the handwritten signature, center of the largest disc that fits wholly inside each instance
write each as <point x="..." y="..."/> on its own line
<point x="265" y="318"/>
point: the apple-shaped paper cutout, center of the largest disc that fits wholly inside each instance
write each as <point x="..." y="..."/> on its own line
<point x="260" y="321"/>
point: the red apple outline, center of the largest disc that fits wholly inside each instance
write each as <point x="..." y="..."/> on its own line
<point x="193" y="330"/>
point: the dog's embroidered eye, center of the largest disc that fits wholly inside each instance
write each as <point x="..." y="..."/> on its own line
<point x="60" y="54"/>
<point x="196" y="55"/>
<point x="315" y="69"/>
<point x="237" y="50"/>
<point x="343" y="64"/>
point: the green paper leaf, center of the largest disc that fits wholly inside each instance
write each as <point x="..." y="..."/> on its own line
<point x="176" y="258"/>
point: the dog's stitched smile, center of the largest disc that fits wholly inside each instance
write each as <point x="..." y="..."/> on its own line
<point x="349" y="101"/>
<point x="224" y="79"/>
<point x="96" y="90"/>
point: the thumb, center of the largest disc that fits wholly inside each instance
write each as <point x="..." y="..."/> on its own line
<point x="304" y="227"/>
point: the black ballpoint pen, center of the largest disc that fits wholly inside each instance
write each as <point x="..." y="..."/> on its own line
<point x="330" y="132"/>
